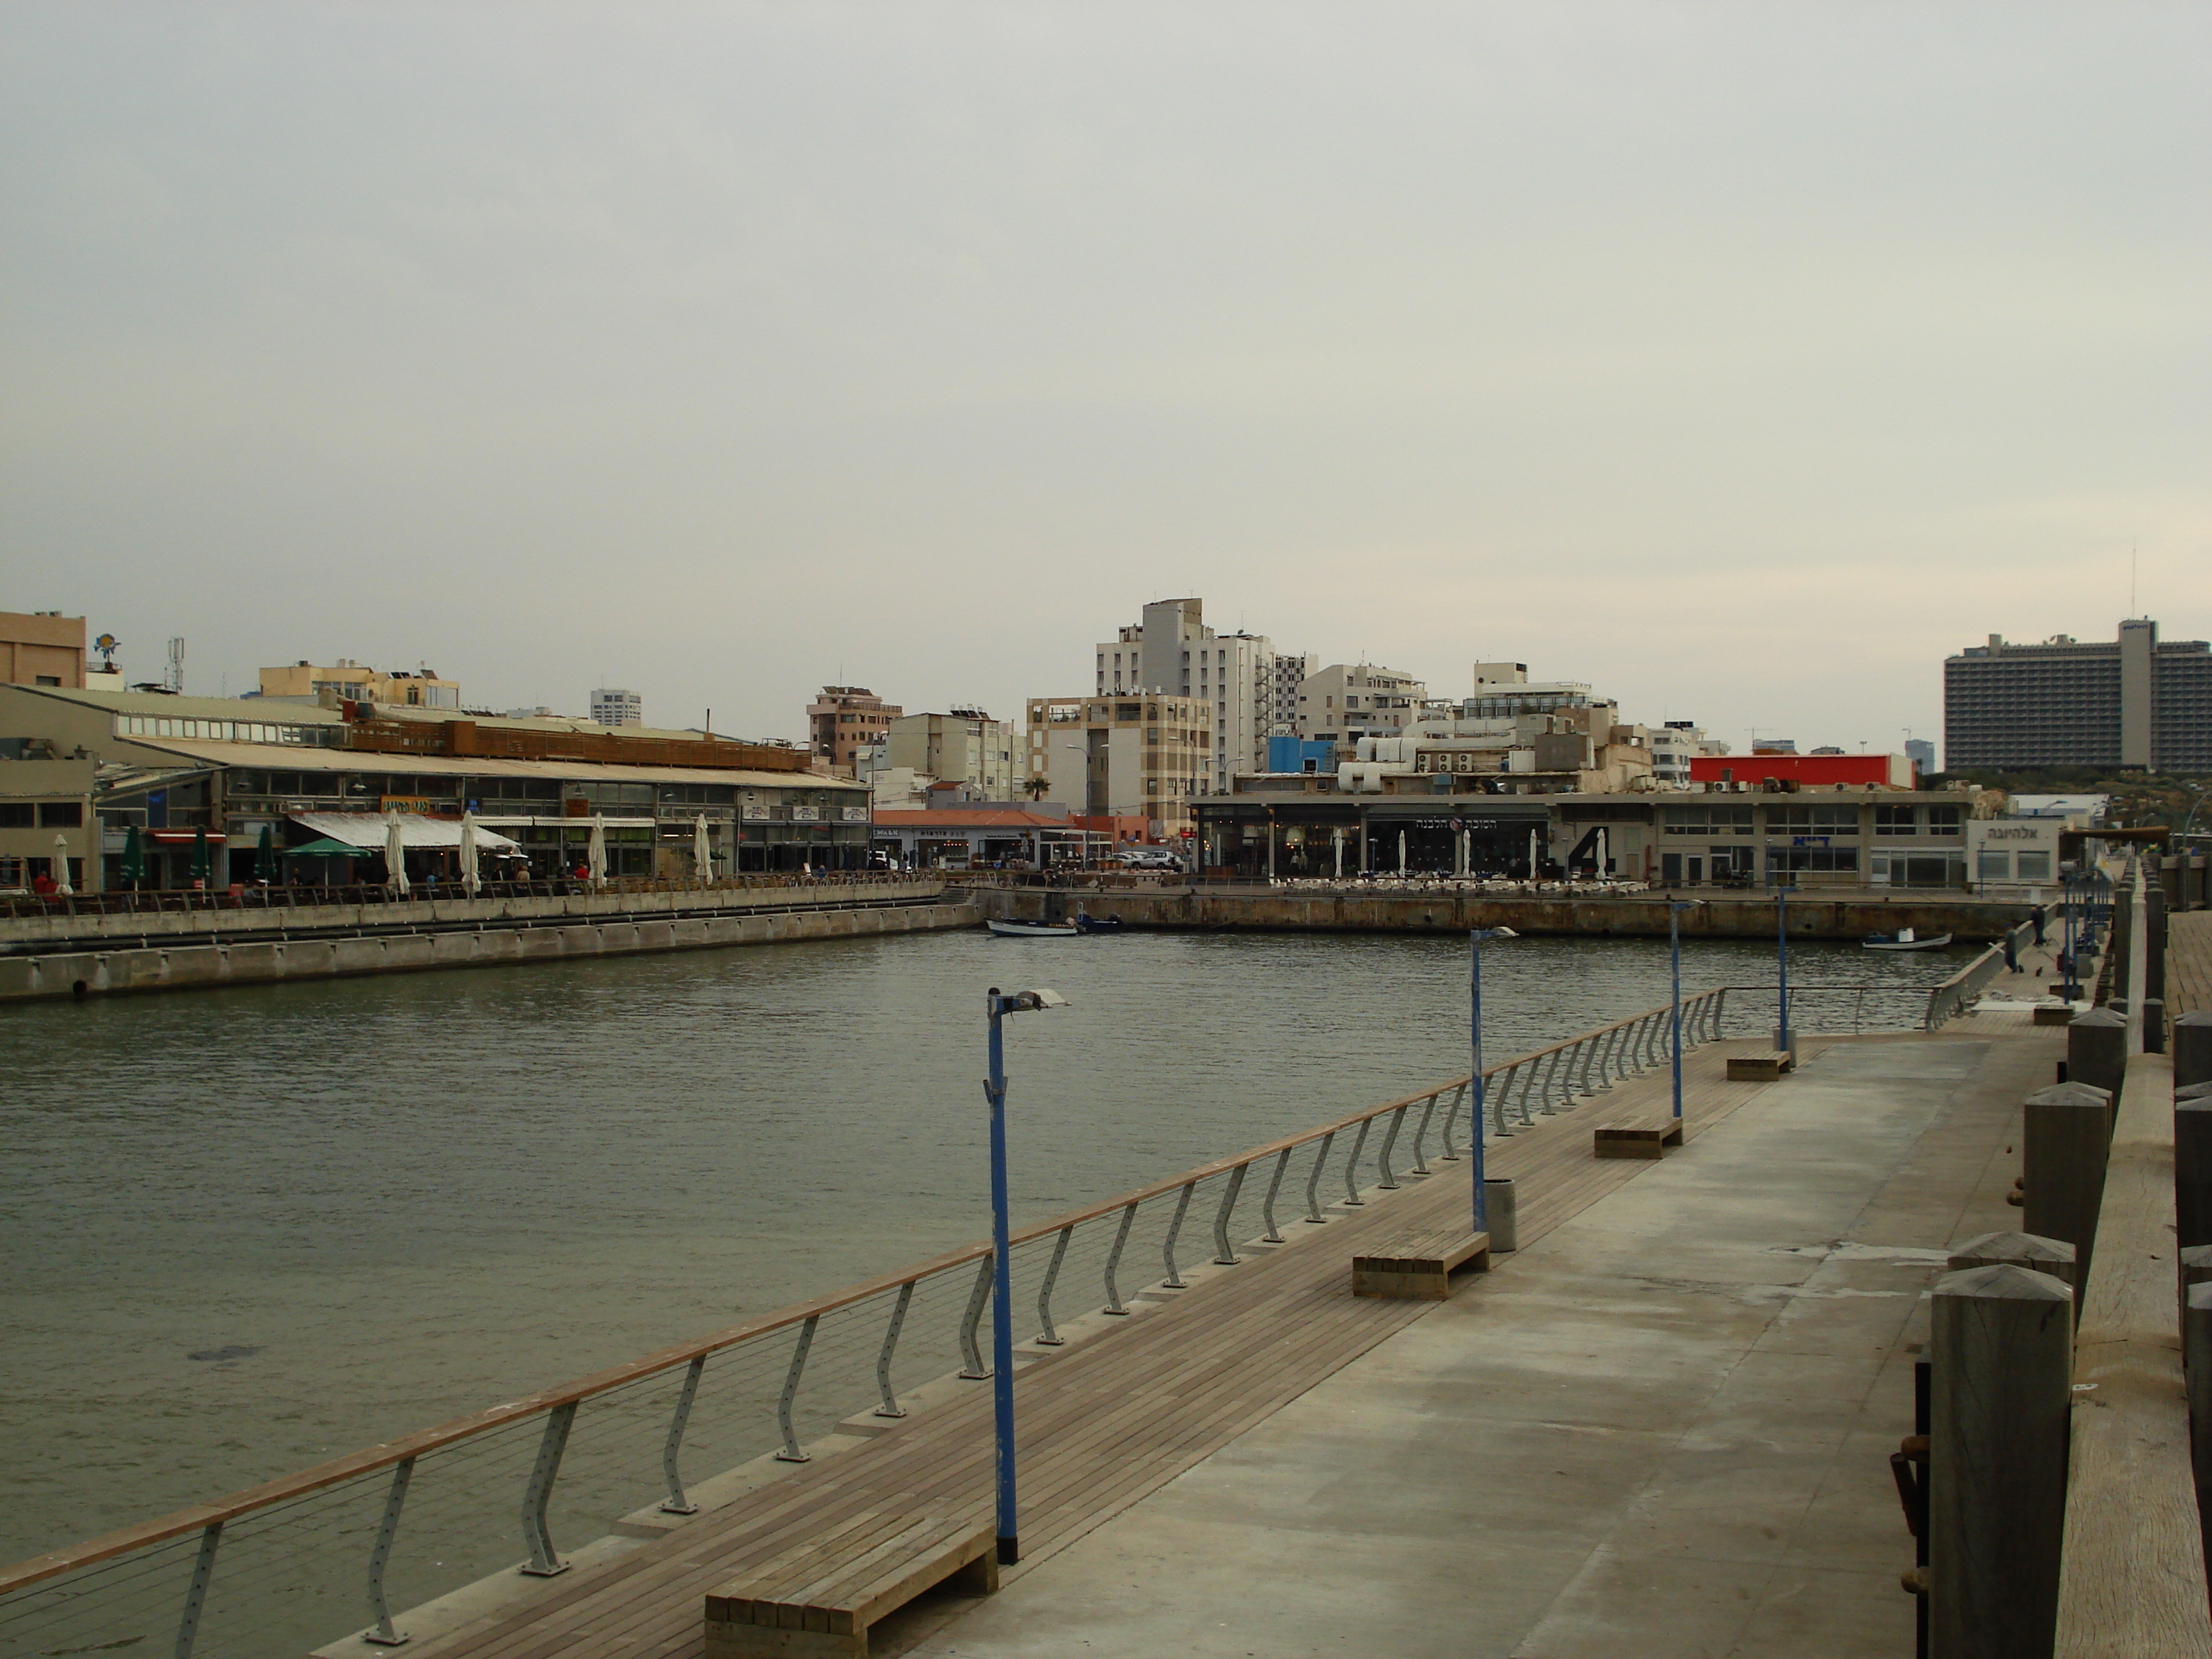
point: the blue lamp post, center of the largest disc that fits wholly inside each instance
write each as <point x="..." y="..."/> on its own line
<point x="1674" y="909"/>
<point x="1000" y="1004"/>
<point x="1477" y="937"/>
<point x="1782" y="961"/>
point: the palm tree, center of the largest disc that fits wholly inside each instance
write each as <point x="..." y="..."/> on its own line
<point x="1038" y="787"/>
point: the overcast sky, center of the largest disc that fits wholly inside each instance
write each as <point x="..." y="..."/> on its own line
<point x="1742" y="359"/>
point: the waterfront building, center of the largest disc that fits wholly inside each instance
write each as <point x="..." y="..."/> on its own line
<point x="1250" y="686"/>
<point x="172" y="766"/>
<point x="611" y="706"/>
<point x="963" y="746"/>
<point x="1138" y="755"/>
<point x="978" y="836"/>
<point x="348" y="681"/>
<point x="1347" y="702"/>
<point x="41" y="648"/>
<point x="1764" y="766"/>
<point x="843" y="722"/>
<point x="2135" y="702"/>
<point x="2019" y="855"/>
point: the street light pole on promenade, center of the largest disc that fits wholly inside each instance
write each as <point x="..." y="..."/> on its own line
<point x="1477" y="937"/>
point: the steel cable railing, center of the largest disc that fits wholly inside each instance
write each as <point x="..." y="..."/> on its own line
<point x="346" y="1547"/>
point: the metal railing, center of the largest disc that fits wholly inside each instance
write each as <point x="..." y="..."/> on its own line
<point x="1945" y="1001"/>
<point x="285" y="1566"/>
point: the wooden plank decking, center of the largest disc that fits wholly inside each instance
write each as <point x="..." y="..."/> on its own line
<point x="2189" y="963"/>
<point x="1104" y="1422"/>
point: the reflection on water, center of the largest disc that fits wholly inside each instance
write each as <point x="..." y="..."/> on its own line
<point x="245" y="1230"/>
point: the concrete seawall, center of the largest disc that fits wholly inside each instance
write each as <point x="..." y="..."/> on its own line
<point x="193" y="965"/>
<point x="1733" y="916"/>
<point x="61" y="924"/>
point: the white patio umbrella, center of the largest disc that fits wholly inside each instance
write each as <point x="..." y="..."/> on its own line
<point x="470" y="882"/>
<point x="395" y="853"/>
<point x="1532" y="855"/>
<point x="703" y="850"/>
<point x="1336" y="843"/>
<point x="595" y="858"/>
<point x="61" y="866"/>
<point x="1401" y="851"/>
<point x="1600" y="853"/>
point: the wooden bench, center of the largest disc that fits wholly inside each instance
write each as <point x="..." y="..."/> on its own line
<point x="820" y="1596"/>
<point x="1759" y="1068"/>
<point x="1638" y="1139"/>
<point x="1419" y="1266"/>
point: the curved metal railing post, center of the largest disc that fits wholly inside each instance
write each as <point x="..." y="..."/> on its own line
<point x="1545" y="1102"/>
<point x="1450" y="1154"/>
<point x="791" y="1452"/>
<point x="974" y="1369"/>
<point x="380" y="1631"/>
<point x="1389" y="1182"/>
<point x="890" y="1406"/>
<point x="1051" y="1337"/>
<point x="1351" y="1165"/>
<point x="188" y="1627"/>
<point x="676" y="1503"/>
<point x="1273" y="1235"/>
<point x="1174" y="1280"/>
<point x="1497" y="1093"/>
<point x="1421" y="1133"/>
<point x="1607" y="1042"/>
<point x="1312" y="1182"/>
<point x="544" y="1561"/>
<point x="1223" y="1255"/>
<point x="1114" y="1263"/>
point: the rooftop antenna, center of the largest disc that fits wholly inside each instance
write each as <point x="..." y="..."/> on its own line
<point x="174" y="679"/>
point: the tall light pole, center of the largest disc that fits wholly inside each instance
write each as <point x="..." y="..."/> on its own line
<point x="1477" y="937"/>
<point x="1782" y="961"/>
<point x="1000" y="1004"/>
<point x="1674" y="909"/>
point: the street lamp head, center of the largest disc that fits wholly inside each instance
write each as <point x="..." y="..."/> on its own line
<point x="1022" y="1002"/>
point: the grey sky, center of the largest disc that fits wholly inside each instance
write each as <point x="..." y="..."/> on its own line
<point x="1744" y="359"/>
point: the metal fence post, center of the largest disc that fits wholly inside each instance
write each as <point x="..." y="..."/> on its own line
<point x="1389" y="1181"/>
<point x="1113" y="1261"/>
<point x="978" y="1298"/>
<point x="1351" y="1165"/>
<point x="1313" y="1182"/>
<point x="1051" y="1337"/>
<point x="1174" y="1280"/>
<point x="188" y="1627"/>
<point x="1222" y="1254"/>
<point x="1421" y="1134"/>
<point x="676" y="1502"/>
<point x="890" y="1406"/>
<point x="791" y="1452"/>
<point x="544" y="1561"/>
<point x="380" y="1631"/>
<point x="1451" y="1114"/>
<point x="1274" y="1236"/>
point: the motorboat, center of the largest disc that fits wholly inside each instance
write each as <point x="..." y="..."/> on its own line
<point x="1905" y="939"/>
<point x="1085" y="924"/>
<point x="1032" y="929"/>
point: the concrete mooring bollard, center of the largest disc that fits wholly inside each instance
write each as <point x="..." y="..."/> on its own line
<point x="2066" y="1135"/>
<point x="2193" y="1050"/>
<point x="2097" y="1049"/>
<point x="1500" y="1202"/>
<point x="2054" y="1256"/>
<point x="2001" y="1384"/>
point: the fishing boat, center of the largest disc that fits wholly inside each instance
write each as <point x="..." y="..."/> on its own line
<point x="1032" y="929"/>
<point x="1086" y="924"/>
<point x="1904" y="939"/>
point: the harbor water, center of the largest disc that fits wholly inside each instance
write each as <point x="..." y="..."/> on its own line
<point x="245" y="1230"/>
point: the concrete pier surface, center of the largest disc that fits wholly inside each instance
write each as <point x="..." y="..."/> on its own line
<point x="1663" y="1429"/>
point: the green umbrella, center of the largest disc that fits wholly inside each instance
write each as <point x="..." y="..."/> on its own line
<point x="134" y="856"/>
<point x="202" y="865"/>
<point x="265" y="856"/>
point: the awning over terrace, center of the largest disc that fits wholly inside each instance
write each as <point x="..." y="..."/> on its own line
<point x="366" y="831"/>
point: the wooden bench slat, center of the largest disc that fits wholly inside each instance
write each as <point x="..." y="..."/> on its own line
<point x="822" y="1600"/>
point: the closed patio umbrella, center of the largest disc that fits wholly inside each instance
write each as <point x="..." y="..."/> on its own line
<point x="595" y="857"/>
<point x="62" y="884"/>
<point x="134" y="856"/>
<point x="1600" y="853"/>
<point x="470" y="883"/>
<point x="1532" y="855"/>
<point x="265" y="856"/>
<point x="703" y="850"/>
<point x="203" y="860"/>
<point x="395" y="854"/>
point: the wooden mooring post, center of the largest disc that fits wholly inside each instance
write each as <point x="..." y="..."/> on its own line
<point x="2064" y="1133"/>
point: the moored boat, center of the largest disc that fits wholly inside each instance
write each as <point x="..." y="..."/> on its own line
<point x="1032" y="929"/>
<point x="1905" y="939"/>
<point x="1087" y="924"/>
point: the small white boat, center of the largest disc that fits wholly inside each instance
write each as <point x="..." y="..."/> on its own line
<point x="1903" y="939"/>
<point x="1032" y="929"/>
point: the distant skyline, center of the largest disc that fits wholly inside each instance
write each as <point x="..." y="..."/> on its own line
<point x="1742" y="360"/>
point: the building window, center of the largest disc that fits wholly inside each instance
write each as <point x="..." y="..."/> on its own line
<point x="1946" y="820"/>
<point x="1893" y="820"/>
<point x="2034" y="867"/>
<point x="60" y="814"/>
<point x="1992" y="866"/>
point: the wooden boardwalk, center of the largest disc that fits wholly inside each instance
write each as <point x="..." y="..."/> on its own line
<point x="2189" y="963"/>
<point x="1106" y="1420"/>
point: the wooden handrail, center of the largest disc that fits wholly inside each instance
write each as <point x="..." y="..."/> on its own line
<point x="367" y="1461"/>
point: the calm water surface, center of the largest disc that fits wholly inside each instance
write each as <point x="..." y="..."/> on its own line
<point x="244" y="1231"/>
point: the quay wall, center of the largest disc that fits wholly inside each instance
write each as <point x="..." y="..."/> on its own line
<point x="1632" y="916"/>
<point x="60" y="924"/>
<point x="193" y="965"/>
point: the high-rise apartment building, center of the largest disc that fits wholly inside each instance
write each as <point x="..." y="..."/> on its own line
<point x="844" y="720"/>
<point x="1251" y="687"/>
<point x="1922" y="753"/>
<point x="1139" y="754"/>
<point x="2133" y="703"/>
<point x="611" y="706"/>
<point x="1347" y="702"/>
